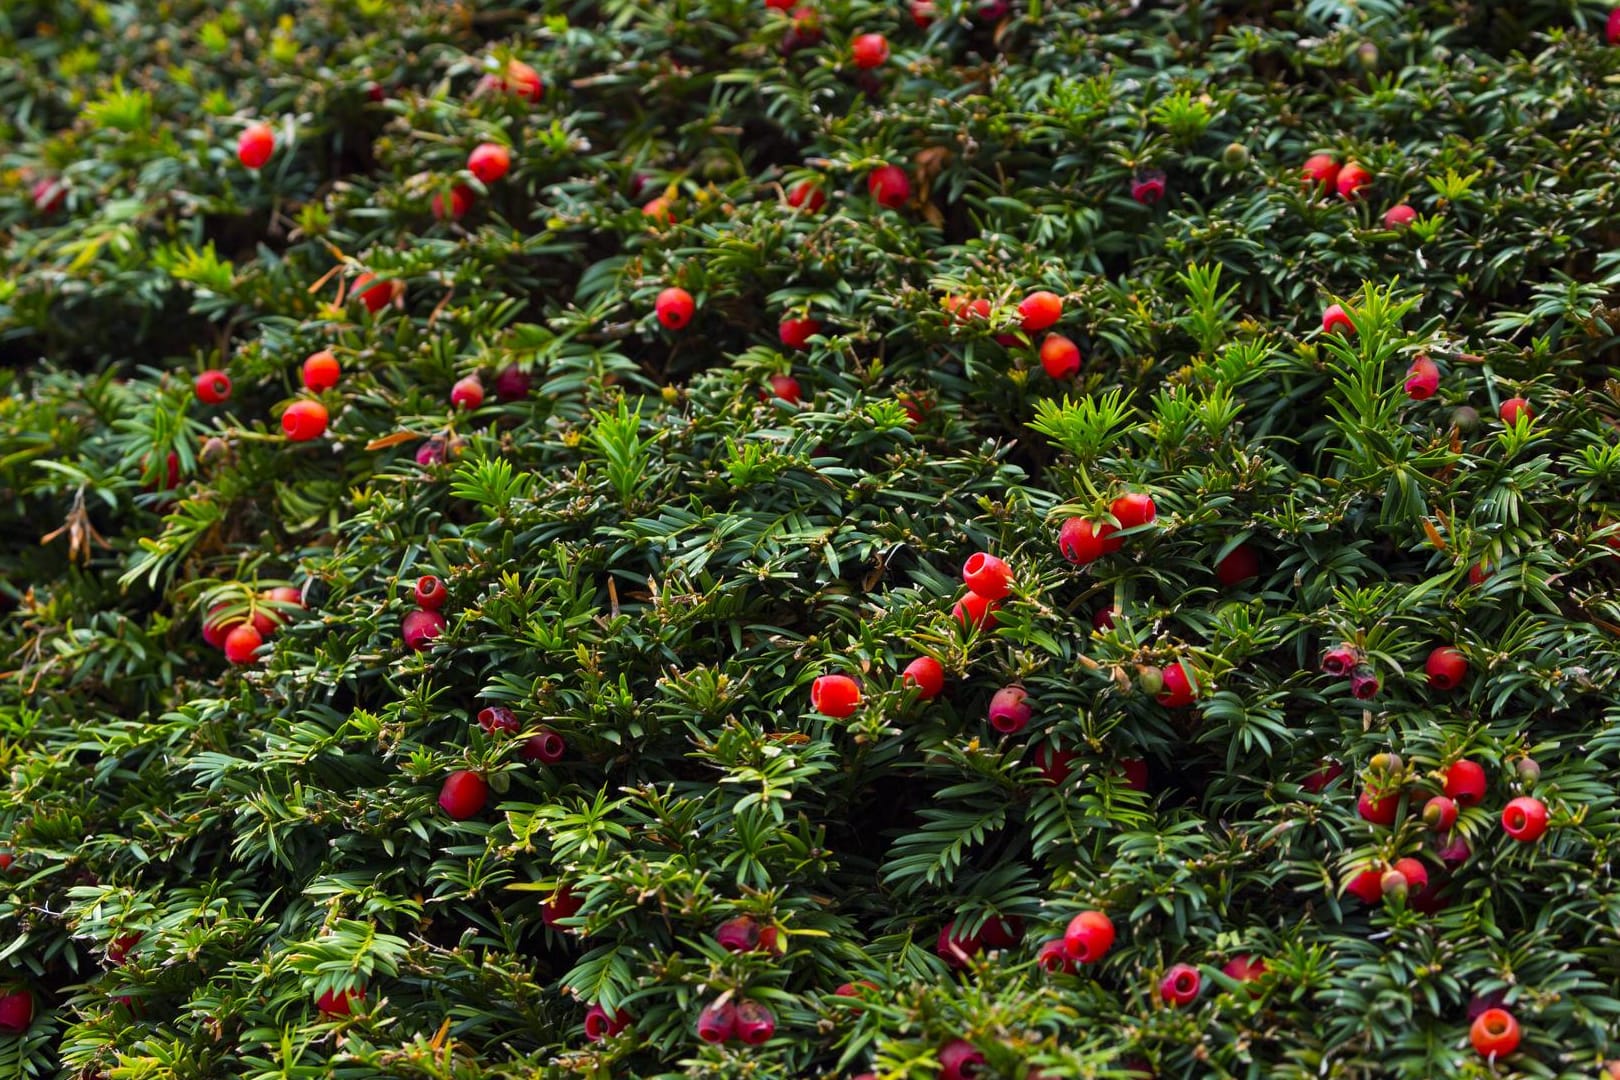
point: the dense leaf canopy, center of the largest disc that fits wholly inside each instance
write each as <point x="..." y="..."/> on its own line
<point x="652" y="544"/>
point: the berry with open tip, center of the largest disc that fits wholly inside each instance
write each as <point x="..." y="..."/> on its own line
<point x="1180" y="985"/>
<point x="213" y="387"/>
<point x="1495" y="1033"/>
<point x="1525" y="819"/>
<point x="304" y="420"/>
<point x="987" y="575"/>
<point x="1010" y="710"/>
<point x="419" y="627"/>
<point x="674" y="307"/>
<point x="1089" y="936"/>
<point x="600" y="1025"/>
<point x="890" y="186"/>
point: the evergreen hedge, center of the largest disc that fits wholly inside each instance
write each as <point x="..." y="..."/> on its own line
<point x="650" y="552"/>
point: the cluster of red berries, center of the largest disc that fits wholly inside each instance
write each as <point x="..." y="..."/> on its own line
<point x="749" y="1021"/>
<point x="1423" y="377"/>
<point x="240" y="636"/>
<point x="488" y="162"/>
<point x="1524" y="819"/>
<point x="1323" y="172"/>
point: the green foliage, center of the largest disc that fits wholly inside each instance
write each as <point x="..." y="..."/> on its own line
<point x="652" y="554"/>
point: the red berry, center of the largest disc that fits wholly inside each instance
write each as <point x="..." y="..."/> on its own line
<point x="467" y="393"/>
<point x="835" y="695"/>
<point x="1321" y="171"/>
<point x="1133" y="509"/>
<point x="545" y="746"/>
<point x="464" y="794"/>
<point x="1415" y="873"/>
<point x="1103" y="618"/>
<point x="1040" y="310"/>
<point x="966" y="310"/>
<point x="430" y="592"/>
<point x="6" y="861"/>
<point x="1335" y="321"/>
<point x="16" y="1011"/>
<point x="49" y="195"/>
<point x="1423" y="380"/>
<point x="927" y="675"/>
<point x="1446" y="668"/>
<point x="740" y="934"/>
<point x="419" y="627"/>
<point x="854" y="990"/>
<point x="1178" y="690"/>
<point x="922" y="13"/>
<point x="796" y="333"/>
<point x="489" y="162"/>
<point x="807" y="195"/>
<point x="1366" y="885"/>
<point x="976" y="610"/>
<point x="255" y="145"/>
<point x="373" y="293"/>
<point x="599" y="1025"/>
<point x="304" y="420"/>
<point x="119" y="950"/>
<point x="1240" y="564"/>
<point x="1399" y="216"/>
<point x="1180" y="985"/>
<point x="960" y="1060"/>
<point x="1465" y="782"/>
<point x="1010" y="710"/>
<point x="1611" y="32"/>
<point x="1002" y="933"/>
<point x="1135" y="772"/>
<point x="1352" y="178"/>
<point x="1244" y="968"/>
<point x="563" y="904"/>
<point x="869" y="50"/>
<point x="1340" y="660"/>
<point x="242" y="643"/>
<point x="1055" y="763"/>
<point x="785" y="388"/>
<point x="321" y="371"/>
<point x="1083" y="541"/>
<point x="890" y="186"/>
<point x="674" y="307"/>
<point x="1322" y="777"/>
<point x="1054" y="957"/>
<point x="1088" y="937"/>
<point x="717" y="1023"/>
<point x="522" y="81"/>
<point x="1525" y="819"/>
<point x="779" y="5"/>
<point x="987" y="575"/>
<point x="1148" y="188"/>
<point x="659" y="211"/>
<point x="213" y="387"/>
<point x="1378" y="809"/>
<point x="498" y="719"/>
<point x="1440" y="813"/>
<point x="1060" y="357"/>
<point x="461" y="200"/>
<point x="1495" y="1033"/>
<point x="956" y="947"/>
<point x="755" y="1022"/>
<point x="1513" y="408"/>
<point x="339" y="1003"/>
<point x="512" y="384"/>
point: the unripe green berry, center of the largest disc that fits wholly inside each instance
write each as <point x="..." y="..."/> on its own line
<point x="1385" y="763"/>
<point x="1150" y="680"/>
<point x="1529" y="772"/>
<point x="1465" y="418"/>
<point x="1235" y="156"/>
